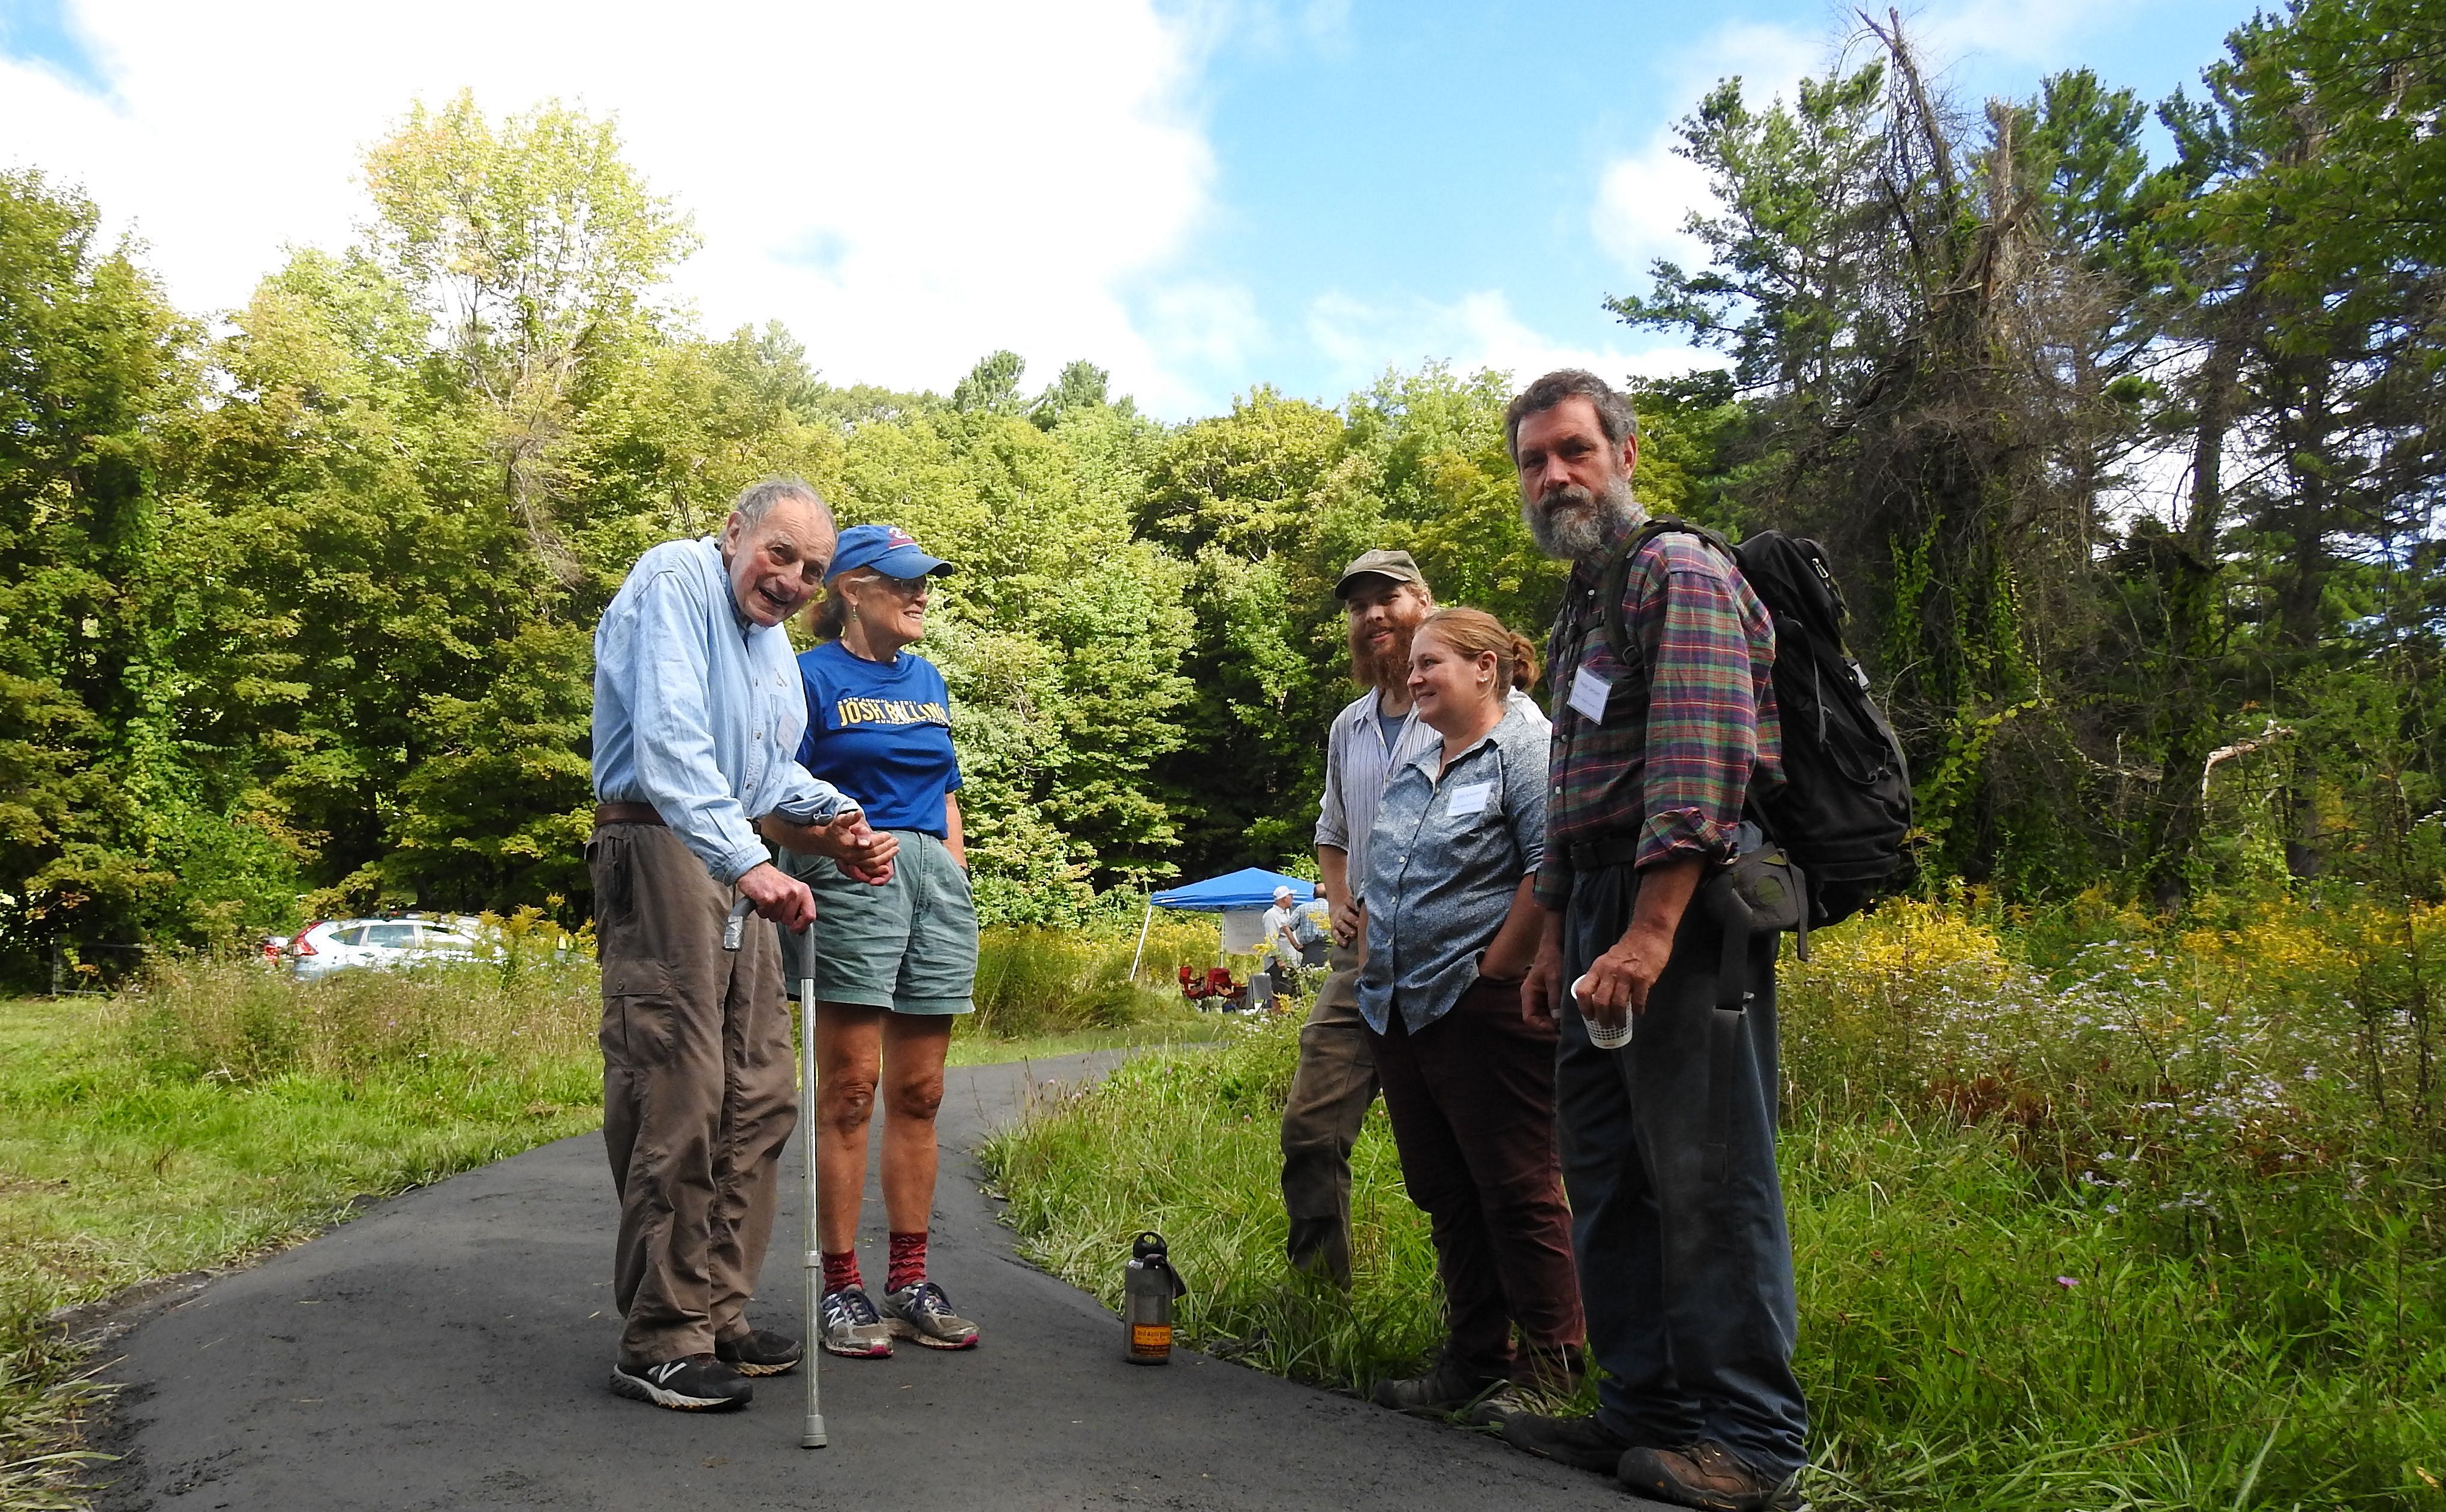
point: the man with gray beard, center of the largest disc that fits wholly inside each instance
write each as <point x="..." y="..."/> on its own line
<point x="1384" y="599"/>
<point x="1667" y="1142"/>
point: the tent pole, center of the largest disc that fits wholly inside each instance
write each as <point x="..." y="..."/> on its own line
<point x="1143" y="934"/>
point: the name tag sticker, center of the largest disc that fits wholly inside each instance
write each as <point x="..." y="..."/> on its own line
<point x="1589" y="693"/>
<point x="1470" y="798"/>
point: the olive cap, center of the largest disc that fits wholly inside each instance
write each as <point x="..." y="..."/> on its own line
<point x="1395" y="565"/>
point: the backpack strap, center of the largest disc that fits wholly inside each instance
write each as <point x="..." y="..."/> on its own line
<point x="1617" y="578"/>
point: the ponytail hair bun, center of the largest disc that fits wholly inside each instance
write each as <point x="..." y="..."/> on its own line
<point x="1475" y="633"/>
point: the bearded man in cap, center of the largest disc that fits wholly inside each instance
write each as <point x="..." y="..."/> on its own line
<point x="1384" y="597"/>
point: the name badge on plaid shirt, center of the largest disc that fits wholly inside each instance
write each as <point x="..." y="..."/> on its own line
<point x="1589" y="693"/>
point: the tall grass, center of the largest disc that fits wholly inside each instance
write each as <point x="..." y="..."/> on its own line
<point x="2086" y="1214"/>
<point x="1033" y="981"/>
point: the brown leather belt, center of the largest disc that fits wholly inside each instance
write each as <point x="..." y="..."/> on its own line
<point x="625" y="814"/>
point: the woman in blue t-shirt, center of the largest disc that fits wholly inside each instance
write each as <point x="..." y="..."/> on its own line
<point x="893" y="964"/>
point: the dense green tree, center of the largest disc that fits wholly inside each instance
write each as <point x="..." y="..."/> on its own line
<point x="89" y="782"/>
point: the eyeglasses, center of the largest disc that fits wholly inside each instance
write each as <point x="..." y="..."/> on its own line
<point x="905" y="587"/>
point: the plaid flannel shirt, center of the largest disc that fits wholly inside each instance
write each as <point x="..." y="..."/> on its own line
<point x="1689" y="729"/>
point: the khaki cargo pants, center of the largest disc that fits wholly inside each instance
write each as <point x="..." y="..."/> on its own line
<point x="1330" y="1092"/>
<point x="699" y="1091"/>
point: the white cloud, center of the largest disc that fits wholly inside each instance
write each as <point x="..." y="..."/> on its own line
<point x="1476" y="330"/>
<point x="967" y="176"/>
<point x="2039" y="34"/>
<point x="1213" y="326"/>
<point x="1767" y="58"/>
<point x="1644" y="200"/>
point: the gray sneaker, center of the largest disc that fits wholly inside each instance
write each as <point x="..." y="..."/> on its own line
<point x="851" y="1327"/>
<point x="924" y="1314"/>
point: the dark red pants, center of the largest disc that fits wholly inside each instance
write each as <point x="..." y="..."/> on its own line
<point x="1472" y="1100"/>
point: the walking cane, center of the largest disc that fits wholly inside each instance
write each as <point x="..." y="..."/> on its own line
<point x="812" y="1435"/>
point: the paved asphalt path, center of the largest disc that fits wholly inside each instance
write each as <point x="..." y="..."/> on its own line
<point x="449" y="1350"/>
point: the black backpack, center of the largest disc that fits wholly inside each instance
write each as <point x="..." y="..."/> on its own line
<point x="1846" y="802"/>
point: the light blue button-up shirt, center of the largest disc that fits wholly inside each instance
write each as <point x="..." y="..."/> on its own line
<point x="1444" y="864"/>
<point x="698" y="711"/>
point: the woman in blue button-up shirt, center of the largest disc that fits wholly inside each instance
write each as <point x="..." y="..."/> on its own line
<point x="1469" y="1081"/>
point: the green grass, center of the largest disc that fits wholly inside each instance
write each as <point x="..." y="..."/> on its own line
<point x="2130" y="1231"/>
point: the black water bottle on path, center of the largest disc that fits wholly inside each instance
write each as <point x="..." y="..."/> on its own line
<point x="1149" y="1287"/>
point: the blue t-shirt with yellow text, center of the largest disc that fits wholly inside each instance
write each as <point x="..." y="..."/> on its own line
<point x="880" y="734"/>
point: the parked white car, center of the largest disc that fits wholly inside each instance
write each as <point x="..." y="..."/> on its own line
<point x="337" y="945"/>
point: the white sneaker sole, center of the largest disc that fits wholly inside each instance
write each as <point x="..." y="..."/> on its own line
<point x="637" y="1388"/>
<point x="903" y="1329"/>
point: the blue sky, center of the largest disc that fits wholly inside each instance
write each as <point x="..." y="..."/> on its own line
<point x="1200" y="195"/>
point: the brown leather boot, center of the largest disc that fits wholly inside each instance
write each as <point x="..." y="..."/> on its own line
<point x="1705" y="1475"/>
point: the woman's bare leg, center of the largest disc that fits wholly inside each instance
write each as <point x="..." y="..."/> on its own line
<point x="848" y="1056"/>
<point x="914" y="1046"/>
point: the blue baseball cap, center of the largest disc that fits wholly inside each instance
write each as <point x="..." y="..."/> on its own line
<point x="888" y="549"/>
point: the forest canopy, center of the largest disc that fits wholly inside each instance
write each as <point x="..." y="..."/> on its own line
<point x="2129" y="456"/>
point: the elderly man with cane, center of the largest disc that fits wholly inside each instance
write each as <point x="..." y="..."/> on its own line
<point x="697" y="715"/>
<point x="1667" y="1135"/>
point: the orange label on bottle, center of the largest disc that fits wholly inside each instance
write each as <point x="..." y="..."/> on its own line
<point x="1151" y="1338"/>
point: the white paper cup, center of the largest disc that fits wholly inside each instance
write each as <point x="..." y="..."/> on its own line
<point x="1603" y="1038"/>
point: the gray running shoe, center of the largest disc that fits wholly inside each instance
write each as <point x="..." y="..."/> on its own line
<point x="924" y="1314"/>
<point x="851" y="1327"/>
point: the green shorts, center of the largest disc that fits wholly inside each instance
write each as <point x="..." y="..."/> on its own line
<point x="910" y="945"/>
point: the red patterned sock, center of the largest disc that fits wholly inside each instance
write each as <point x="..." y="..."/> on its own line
<point x="907" y="1265"/>
<point x="840" y="1270"/>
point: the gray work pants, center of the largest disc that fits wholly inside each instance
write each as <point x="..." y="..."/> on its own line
<point x="1668" y="1159"/>
<point x="700" y="1091"/>
<point x="1330" y="1092"/>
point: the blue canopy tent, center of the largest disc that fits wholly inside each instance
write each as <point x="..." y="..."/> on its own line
<point x="1250" y="888"/>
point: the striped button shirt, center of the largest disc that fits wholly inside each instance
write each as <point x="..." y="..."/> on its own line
<point x="1688" y="729"/>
